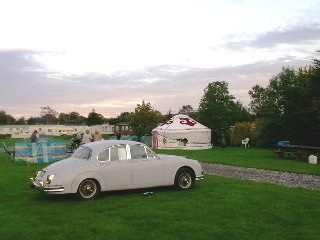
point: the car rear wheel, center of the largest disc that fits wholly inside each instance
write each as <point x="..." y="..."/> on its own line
<point x="184" y="179"/>
<point x="88" y="189"/>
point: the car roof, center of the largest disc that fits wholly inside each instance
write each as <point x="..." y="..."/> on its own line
<point x="100" y="145"/>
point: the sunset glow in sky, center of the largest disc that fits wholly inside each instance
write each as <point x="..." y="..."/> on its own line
<point x="76" y="55"/>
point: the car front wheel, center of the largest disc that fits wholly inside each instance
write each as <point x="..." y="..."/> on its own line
<point x="88" y="189"/>
<point x="184" y="179"/>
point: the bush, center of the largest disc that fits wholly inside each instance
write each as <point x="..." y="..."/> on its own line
<point x="5" y="136"/>
<point x="241" y="131"/>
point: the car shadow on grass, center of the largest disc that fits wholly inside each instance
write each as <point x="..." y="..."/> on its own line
<point x="109" y="194"/>
<point x="142" y="191"/>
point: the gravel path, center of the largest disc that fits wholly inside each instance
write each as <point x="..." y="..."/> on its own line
<point x="261" y="175"/>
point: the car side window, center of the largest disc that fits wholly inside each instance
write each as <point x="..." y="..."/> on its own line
<point x="104" y="155"/>
<point x="138" y="151"/>
<point x="118" y="153"/>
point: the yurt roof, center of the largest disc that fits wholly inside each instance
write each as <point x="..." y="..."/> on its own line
<point x="180" y="122"/>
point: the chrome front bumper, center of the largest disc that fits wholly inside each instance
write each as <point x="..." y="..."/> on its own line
<point x="43" y="188"/>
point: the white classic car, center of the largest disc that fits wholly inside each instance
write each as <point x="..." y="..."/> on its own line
<point x="115" y="165"/>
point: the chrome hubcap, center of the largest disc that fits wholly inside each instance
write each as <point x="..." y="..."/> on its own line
<point x="184" y="180"/>
<point x="88" y="189"/>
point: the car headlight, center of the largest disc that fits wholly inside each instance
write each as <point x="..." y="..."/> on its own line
<point x="50" y="178"/>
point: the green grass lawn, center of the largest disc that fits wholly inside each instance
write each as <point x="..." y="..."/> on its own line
<point x="264" y="158"/>
<point x="216" y="208"/>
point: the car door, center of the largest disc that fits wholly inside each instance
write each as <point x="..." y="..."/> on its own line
<point x="147" y="171"/>
<point x="116" y="167"/>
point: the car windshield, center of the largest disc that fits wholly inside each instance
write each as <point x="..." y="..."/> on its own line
<point x="82" y="153"/>
<point x="150" y="153"/>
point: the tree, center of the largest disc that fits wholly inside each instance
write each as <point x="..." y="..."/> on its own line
<point x="169" y="114"/>
<point x="280" y="105"/>
<point x="48" y="115"/>
<point x="21" y="121"/>
<point x="316" y="62"/>
<point x="311" y="113"/>
<point x="95" y="118"/>
<point x="77" y="119"/>
<point x="288" y="108"/>
<point x="239" y="113"/>
<point x="72" y="118"/>
<point x="258" y="97"/>
<point x="63" y="118"/>
<point x="218" y="111"/>
<point x="6" y="119"/>
<point x="33" y="120"/>
<point x="186" y="109"/>
<point x="122" y="118"/>
<point x="144" y="119"/>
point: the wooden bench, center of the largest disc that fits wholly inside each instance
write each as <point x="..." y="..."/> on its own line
<point x="280" y="154"/>
<point x="300" y="155"/>
<point x="300" y="152"/>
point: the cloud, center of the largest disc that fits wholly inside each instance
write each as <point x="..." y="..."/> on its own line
<point x="111" y="55"/>
<point x="295" y="35"/>
<point x="29" y="86"/>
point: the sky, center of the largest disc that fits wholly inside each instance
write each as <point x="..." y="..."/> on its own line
<point x="110" y="55"/>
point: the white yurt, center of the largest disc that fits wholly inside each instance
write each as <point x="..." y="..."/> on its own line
<point x="181" y="131"/>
